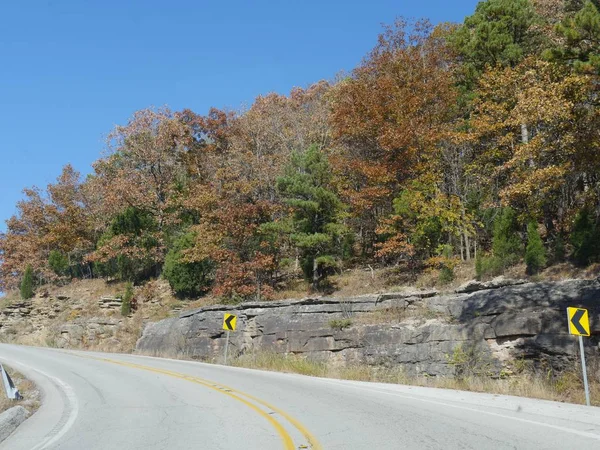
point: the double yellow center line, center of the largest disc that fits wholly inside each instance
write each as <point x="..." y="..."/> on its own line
<point x="249" y="400"/>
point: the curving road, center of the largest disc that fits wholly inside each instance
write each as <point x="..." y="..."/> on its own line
<point x="115" y="401"/>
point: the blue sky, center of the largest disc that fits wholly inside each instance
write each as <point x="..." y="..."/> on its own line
<point x="72" y="69"/>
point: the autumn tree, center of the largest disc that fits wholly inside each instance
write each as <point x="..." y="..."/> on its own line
<point x="142" y="173"/>
<point x="388" y="118"/>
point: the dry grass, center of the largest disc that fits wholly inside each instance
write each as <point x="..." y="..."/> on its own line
<point x="567" y="387"/>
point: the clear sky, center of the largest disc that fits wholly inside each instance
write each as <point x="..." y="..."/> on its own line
<point x="72" y="69"/>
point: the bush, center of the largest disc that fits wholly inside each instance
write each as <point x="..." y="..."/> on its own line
<point x="340" y="324"/>
<point x="58" y="262"/>
<point x="187" y="279"/>
<point x="126" y="301"/>
<point x="488" y="266"/>
<point x="446" y="264"/>
<point x="27" y="283"/>
<point x="535" y="254"/>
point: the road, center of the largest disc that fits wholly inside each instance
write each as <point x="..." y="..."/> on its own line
<point x="116" y="401"/>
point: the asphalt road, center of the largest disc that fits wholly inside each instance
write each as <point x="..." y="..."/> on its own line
<point x="113" y="401"/>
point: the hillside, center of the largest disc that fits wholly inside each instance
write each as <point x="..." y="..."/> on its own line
<point x="448" y="144"/>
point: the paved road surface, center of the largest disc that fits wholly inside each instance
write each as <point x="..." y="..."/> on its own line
<point x="111" y="401"/>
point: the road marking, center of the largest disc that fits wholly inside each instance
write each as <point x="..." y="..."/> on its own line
<point x="236" y="395"/>
<point x="68" y="416"/>
<point x="467" y="408"/>
<point x="312" y="440"/>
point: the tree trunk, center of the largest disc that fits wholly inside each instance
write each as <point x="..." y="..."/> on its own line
<point x="315" y="274"/>
<point x="524" y="134"/>
<point x="468" y="246"/>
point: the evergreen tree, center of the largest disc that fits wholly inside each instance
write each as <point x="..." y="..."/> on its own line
<point x="187" y="278"/>
<point x="58" y="262"/>
<point x="129" y="249"/>
<point x="27" y="283"/>
<point x="535" y="254"/>
<point x="581" y="40"/>
<point x="506" y="243"/>
<point x="126" y="300"/>
<point x="317" y="227"/>
<point x="585" y="238"/>
<point x="500" y="32"/>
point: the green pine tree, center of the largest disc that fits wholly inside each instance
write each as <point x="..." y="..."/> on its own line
<point x="581" y="40"/>
<point x="535" y="253"/>
<point x="58" y="262"/>
<point x="500" y="32"/>
<point x="317" y="228"/>
<point x="126" y="300"/>
<point x="585" y="238"/>
<point x="27" y="283"/>
<point x="506" y="243"/>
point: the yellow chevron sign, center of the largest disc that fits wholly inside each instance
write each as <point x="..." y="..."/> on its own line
<point x="229" y="322"/>
<point x="579" y="321"/>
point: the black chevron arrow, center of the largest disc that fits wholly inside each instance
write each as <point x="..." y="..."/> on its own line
<point x="228" y="322"/>
<point x="575" y="321"/>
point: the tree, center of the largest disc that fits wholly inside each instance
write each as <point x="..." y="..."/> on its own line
<point x="127" y="300"/>
<point x="58" y="262"/>
<point x="187" y="278"/>
<point x="130" y="249"/>
<point x="27" y="283"/>
<point x="535" y="253"/>
<point x="580" y="44"/>
<point x="585" y="238"/>
<point x="499" y="33"/>
<point x="316" y="213"/>
<point x="388" y="119"/>
<point x="506" y="244"/>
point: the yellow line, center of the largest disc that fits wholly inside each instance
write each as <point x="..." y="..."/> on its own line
<point x="307" y="434"/>
<point x="288" y="443"/>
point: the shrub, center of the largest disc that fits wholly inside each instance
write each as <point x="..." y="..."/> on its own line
<point x="58" y="262"/>
<point x="126" y="301"/>
<point x="470" y="361"/>
<point x="187" y="278"/>
<point x="27" y="283"/>
<point x="446" y="265"/>
<point x="488" y="266"/>
<point x="535" y="254"/>
<point x="340" y="324"/>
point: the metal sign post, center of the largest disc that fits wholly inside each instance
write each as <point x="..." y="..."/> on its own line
<point x="584" y="370"/>
<point x="226" y="346"/>
<point x="229" y="324"/>
<point x="579" y="325"/>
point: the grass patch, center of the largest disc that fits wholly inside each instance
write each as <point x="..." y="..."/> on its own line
<point x="340" y="324"/>
<point x="567" y="387"/>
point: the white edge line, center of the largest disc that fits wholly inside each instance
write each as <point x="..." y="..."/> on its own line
<point x="72" y="399"/>
<point x="479" y="411"/>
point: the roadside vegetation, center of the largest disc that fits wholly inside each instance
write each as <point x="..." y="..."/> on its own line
<point x="458" y="143"/>
<point x="523" y="382"/>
